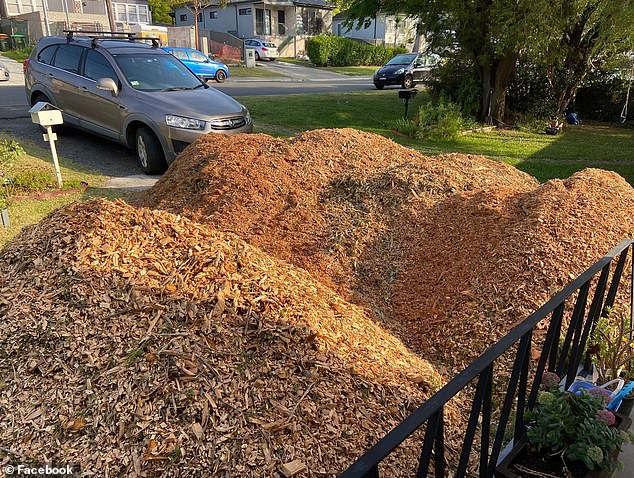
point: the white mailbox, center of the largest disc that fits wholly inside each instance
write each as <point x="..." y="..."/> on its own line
<point x="46" y="114"/>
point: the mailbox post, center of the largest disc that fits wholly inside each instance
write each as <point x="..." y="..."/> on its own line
<point x="47" y="116"/>
<point x="405" y="96"/>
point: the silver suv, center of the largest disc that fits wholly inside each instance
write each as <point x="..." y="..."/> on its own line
<point x="129" y="91"/>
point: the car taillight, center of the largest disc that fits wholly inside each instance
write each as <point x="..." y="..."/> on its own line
<point x="25" y="63"/>
<point x="264" y="49"/>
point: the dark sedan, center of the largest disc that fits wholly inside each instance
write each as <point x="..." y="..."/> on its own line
<point x="405" y="70"/>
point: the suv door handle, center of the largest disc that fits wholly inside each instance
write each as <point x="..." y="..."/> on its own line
<point x="85" y="88"/>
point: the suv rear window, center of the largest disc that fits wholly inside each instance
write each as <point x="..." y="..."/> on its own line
<point x="46" y="55"/>
<point x="68" y="57"/>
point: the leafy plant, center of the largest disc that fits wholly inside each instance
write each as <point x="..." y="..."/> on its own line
<point x="576" y="427"/>
<point x="611" y="347"/>
<point x="10" y="151"/>
<point x="440" y="121"/>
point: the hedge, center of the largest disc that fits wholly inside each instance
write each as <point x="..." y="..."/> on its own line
<point x="324" y="50"/>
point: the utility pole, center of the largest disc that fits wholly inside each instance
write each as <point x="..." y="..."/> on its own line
<point x="110" y="12"/>
<point x="46" y="22"/>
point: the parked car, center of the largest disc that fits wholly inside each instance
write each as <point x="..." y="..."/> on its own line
<point x="131" y="92"/>
<point x="263" y="49"/>
<point x="200" y="64"/>
<point x="406" y="70"/>
<point x="4" y="73"/>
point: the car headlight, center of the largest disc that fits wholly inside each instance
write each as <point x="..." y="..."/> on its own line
<point x="399" y="71"/>
<point x="185" y="123"/>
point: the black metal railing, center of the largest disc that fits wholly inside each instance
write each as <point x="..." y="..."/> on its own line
<point x="561" y="352"/>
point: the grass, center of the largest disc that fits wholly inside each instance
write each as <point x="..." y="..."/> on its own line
<point x="605" y="146"/>
<point x="17" y="55"/>
<point x="344" y="70"/>
<point x="37" y="162"/>
<point x="244" y="72"/>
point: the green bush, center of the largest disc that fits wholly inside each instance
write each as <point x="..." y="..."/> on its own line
<point x="440" y="121"/>
<point x="10" y="150"/>
<point x="324" y="50"/>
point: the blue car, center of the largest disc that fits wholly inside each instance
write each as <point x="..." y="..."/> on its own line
<point x="200" y="64"/>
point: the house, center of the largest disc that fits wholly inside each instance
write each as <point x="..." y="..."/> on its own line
<point x="70" y="14"/>
<point x="388" y="30"/>
<point x="287" y="23"/>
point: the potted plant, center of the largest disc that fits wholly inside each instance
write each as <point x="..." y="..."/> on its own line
<point x="568" y="435"/>
<point x="612" y="351"/>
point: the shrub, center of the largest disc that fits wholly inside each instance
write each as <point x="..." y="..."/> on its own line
<point x="324" y="50"/>
<point x="10" y="150"/>
<point x="441" y="121"/>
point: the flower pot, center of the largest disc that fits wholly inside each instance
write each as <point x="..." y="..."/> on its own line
<point x="520" y="458"/>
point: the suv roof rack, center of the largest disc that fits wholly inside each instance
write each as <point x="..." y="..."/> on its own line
<point x="98" y="35"/>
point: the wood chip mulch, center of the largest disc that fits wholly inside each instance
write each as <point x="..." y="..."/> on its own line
<point x="140" y="343"/>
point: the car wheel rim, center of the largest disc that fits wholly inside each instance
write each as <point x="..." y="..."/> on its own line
<point x="141" y="151"/>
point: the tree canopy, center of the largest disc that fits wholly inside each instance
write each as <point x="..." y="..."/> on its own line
<point x="566" y="37"/>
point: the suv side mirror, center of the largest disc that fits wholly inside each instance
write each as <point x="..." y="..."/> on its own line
<point x="108" y="84"/>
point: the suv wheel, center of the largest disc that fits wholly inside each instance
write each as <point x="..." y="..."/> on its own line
<point x="221" y="76"/>
<point x="408" y="82"/>
<point x="149" y="151"/>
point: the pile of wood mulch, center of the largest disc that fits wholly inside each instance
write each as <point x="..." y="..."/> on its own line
<point x="449" y="251"/>
<point x="139" y="343"/>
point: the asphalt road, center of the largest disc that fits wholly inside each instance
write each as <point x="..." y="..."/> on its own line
<point x="117" y="161"/>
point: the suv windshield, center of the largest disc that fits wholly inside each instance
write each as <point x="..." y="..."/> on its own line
<point x="151" y="72"/>
<point x="401" y="60"/>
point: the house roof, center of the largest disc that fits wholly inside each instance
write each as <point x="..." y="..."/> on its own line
<point x="300" y="3"/>
<point x="315" y="4"/>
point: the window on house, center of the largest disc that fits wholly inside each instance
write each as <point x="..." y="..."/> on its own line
<point x="15" y="7"/>
<point x="312" y="20"/>
<point x="262" y="21"/>
<point x="244" y="11"/>
<point x="213" y="15"/>
<point x="281" y="22"/>
<point x="200" y="17"/>
<point x="131" y="13"/>
<point x="184" y="17"/>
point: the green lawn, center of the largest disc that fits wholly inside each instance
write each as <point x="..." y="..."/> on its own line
<point x="606" y="146"/>
<point x="236" y="71"/>
<point x="37" y="161"/>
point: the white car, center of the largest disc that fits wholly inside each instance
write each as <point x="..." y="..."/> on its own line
<point x="263" y="49"/>
<point x="4" y="73"/>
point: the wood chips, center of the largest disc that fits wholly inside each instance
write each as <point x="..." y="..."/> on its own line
<point x="176" y="340"/>
<point x="139" y="343"/>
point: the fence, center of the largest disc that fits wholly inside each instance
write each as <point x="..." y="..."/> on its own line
<point x="573" y="325"/>
<point x="226" y="46"/>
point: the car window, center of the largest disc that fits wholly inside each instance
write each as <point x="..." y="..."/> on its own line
<point x="248" y="42"/>
<point x="197" y="56"/>
<point x="97" y="66"/>
<point x="180" y="54"/>
<point x="67" y="57"/>
<point x="401" y="60"/>
<point x="152" y="72"/>
<point x="46" y="55"/>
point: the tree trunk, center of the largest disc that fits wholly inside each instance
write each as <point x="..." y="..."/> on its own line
<point x="495" y="79"/>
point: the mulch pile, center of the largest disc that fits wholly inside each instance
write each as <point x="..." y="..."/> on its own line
<point x="140" y="343"/>
<point x="449" y="251"/>
<point x="215" y="332"/>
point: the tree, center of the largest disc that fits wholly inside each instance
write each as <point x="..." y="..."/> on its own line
<point x="160" y="11"/>
<point x="490" y="32"/>
<point x="568" y="36"/>
<point x="583" y="35"/>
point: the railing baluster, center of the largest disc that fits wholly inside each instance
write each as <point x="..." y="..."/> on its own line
<point x="521" y="391"/>
<point x="579" y="314"/>
<point x="553" y="352"/>
<point x="616" y="280"/>
<point x="593" y="316"/>
<point x="522" y="352"/>
<point x="428" y="445"/>
<point x="486" y="423"/>
<point x="473" y="423"/>
<point x="439" y="448"/>
<point x="549" y="350"/>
